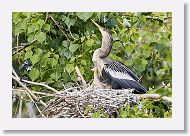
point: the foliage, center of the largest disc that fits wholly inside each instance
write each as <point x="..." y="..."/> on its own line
<point x="57" y="42"/>
<point x="149" y="109"/>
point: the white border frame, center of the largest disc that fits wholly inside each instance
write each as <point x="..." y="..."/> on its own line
<point x="174" y="123"/>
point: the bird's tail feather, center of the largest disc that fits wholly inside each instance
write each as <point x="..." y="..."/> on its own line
<point x="123" y="83"/>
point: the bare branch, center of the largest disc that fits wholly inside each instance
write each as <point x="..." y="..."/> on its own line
<point x="154" y="97"/>
<point x="14" y="73"/>
<point x="80" y="76"/>
<point x="40" y="84"/>
<point x="29" y="92"/>
<point x="25" y="46"/>
<point x="39" y="93"/>
<point x="59" y="27"/>
<point x="17" y="43"/>
<point x="20" y="107"/>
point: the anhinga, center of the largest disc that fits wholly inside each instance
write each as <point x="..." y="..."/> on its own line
<point x="111" y="72"/>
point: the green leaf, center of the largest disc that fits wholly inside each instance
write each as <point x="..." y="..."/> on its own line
<point x="23" y="24"/>
<point x="63" y="17"/>
<point x="27" y="14"/>
<point x="34" y="74"/>
<point x="57" y="73"/>
<point x="40" y="37"/>
<point x="84" y="15"/>
<point x="123" y="112"/>
<point x="83" y="62"/>
<point x="143" y="18"/>
<point x="144" y="62"/>
<point x="129" y="62"/>
<point x="95" y="115"/>
<point x="87" y="109"/>
<point x="28" y="54"/>
<point x="65" y="43"/>
<point x="47" y="54"/>
<point x="69" y="22"/>
<point x="82" y="39"/>
<point x="74" y="77"/>
<point x="16" y="17"/>
<point x="160" y="91"/>
<point x="73" y="47"/>
<point x="69" y="68"/>
<point x="30" y="38"/>
<point x="17" y="30"/>
<point x="53" y="31"/>
<point x="128" y="48"/>
<point x="145" y="54"/>
<point x="90" y="42"/>
<point x="66" y="53"/>
<point x="32" y="28"/>
<point x="40" y="22"/>
<point x="46" y="27"/>
<point x="53" y="61"/>
<point x="160" y="72"/>
<point x="72" y="59"/>
<point x="35" y="58"/>
<point x="76" y="36"/>
<point x="135" y="37"/>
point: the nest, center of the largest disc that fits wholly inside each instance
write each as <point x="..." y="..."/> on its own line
<point x="75" y="102"/>
<point x="80" y="101"/>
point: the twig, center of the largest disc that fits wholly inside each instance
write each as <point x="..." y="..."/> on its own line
<point x="156" y="18"/>
<point x="14" y="73"/>
<point x="20" y="49"/>
<point x="16" y="109"/>
<point x="40" y="93"/>
<point x="20" y="107"/>
<point x="29" y="92"/>
<point x="17" y="97"/>
<point x="79" y="110"/>
<point x="80" y="76"/>
<point x="47" y="16"/>
<point x="154" y="96"/>
<point x="40" y="84"/>
<point x="17" y="43"/>
<point x="59" y="27"/>
<point x="72" y="35"/>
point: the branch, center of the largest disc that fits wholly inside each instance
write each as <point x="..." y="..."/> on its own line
<point x="40" y="84"/>
<point x="29" y="92"/>
<point x="21" y="90"/>
<point x="14" y="73"/>
<point x="154" y="96"/>
<point x="20" y="107"/>
<point x="80" y="76"/>
<point x="157" y="18"/>
<point x="25" y="46"/>
<point x="17" y="43"/>
<point x="59" y="27"/>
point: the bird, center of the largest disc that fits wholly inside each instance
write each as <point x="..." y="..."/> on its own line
<point x="111" y="72"/>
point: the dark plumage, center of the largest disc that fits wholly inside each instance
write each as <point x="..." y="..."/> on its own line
<point x="120" y="76"/>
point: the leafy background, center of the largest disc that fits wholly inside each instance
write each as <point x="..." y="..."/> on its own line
<point x="54" y="43"/>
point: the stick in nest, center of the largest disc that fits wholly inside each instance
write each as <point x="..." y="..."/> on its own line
<point x="80" y="77"/>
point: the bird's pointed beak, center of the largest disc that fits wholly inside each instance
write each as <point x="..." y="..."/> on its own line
<point x="99" y="27"/>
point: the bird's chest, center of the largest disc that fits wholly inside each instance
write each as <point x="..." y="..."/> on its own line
<point x="99" y="66"/>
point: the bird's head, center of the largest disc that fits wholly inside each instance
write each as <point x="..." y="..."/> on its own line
<point x="105" y="32"/>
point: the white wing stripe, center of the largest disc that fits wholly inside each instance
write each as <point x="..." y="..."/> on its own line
<point x="119" y="75"/>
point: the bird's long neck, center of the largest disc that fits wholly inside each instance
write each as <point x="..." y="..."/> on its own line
<point x="106" y="46"/>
